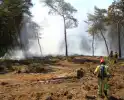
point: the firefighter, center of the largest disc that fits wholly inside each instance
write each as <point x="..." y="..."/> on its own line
<point x="102" y="72"/>
<point x="115" y="57"/>
<point x="111" y="54"/>
<point x="111" y="57"/>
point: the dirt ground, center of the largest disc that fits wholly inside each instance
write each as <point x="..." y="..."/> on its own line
<point x="61" y="83"/>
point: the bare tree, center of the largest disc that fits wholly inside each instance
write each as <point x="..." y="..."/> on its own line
<point x="36" y="29"/>
<point x="38" y="39"/>
<point x="66" y="11"/>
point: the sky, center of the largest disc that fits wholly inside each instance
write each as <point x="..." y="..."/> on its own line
<point x="52" y="32"/>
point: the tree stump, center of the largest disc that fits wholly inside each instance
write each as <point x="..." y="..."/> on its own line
<point x="80" y="73"/>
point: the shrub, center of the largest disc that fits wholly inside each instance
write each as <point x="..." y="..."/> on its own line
<point x="20" y="69"/>
<point x="36" y="69"/>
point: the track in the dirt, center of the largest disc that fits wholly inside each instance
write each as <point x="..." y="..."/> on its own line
<point x="58" y="80"/>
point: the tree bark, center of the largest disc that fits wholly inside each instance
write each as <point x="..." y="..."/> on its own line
<point x="119" y="40"/>
<point x="65" y="36"/>
<point x="105" y="42"/>
<point x="93" y="45"/>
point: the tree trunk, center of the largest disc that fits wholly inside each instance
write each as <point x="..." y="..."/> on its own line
<point x="119" y="40"/>
<point x="39" y="43"/>
<point x="93" y="44"/>
<point x="105" y="42"/>
<point x="65" y="36"/>
<point x="19" y="35"/>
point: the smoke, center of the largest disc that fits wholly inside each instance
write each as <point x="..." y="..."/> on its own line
<point x="85" y="45"/>
<point x="122" y="41"/>
<point x="52" y="37"/>
<point x="29" y="41"/>
<point x="113" y="38"/>
<point x="78" y="42"/>
<point x="74" y="42"/>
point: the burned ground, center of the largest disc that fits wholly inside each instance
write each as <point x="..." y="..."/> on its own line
<point x="60" y="82"/>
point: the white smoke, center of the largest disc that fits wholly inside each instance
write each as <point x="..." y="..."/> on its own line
<point x="52" y="33"/>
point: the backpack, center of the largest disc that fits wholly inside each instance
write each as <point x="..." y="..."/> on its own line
<point x="102" y="72"/>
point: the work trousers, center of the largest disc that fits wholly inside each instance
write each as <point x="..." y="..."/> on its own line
<point x="102" y="86"/>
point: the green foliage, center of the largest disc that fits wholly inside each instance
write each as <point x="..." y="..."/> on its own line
<point x="11" y="15"/>
<point x="36" y="69"/>
<point x="64" y="9"/>
<point x="113" y="17"/>
<point x="116" y="11"/>
<point x="109" y="61"/>
<point x="70" y="59"/>
<point x="96" y="20"/>
<point x="19" y="68"/>
<point x="97" y="25"/>
<point x="91" y="30"/>
<point x="33" y="68"/>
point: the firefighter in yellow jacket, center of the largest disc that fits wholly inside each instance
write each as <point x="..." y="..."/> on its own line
<point x="102" y="73"/>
